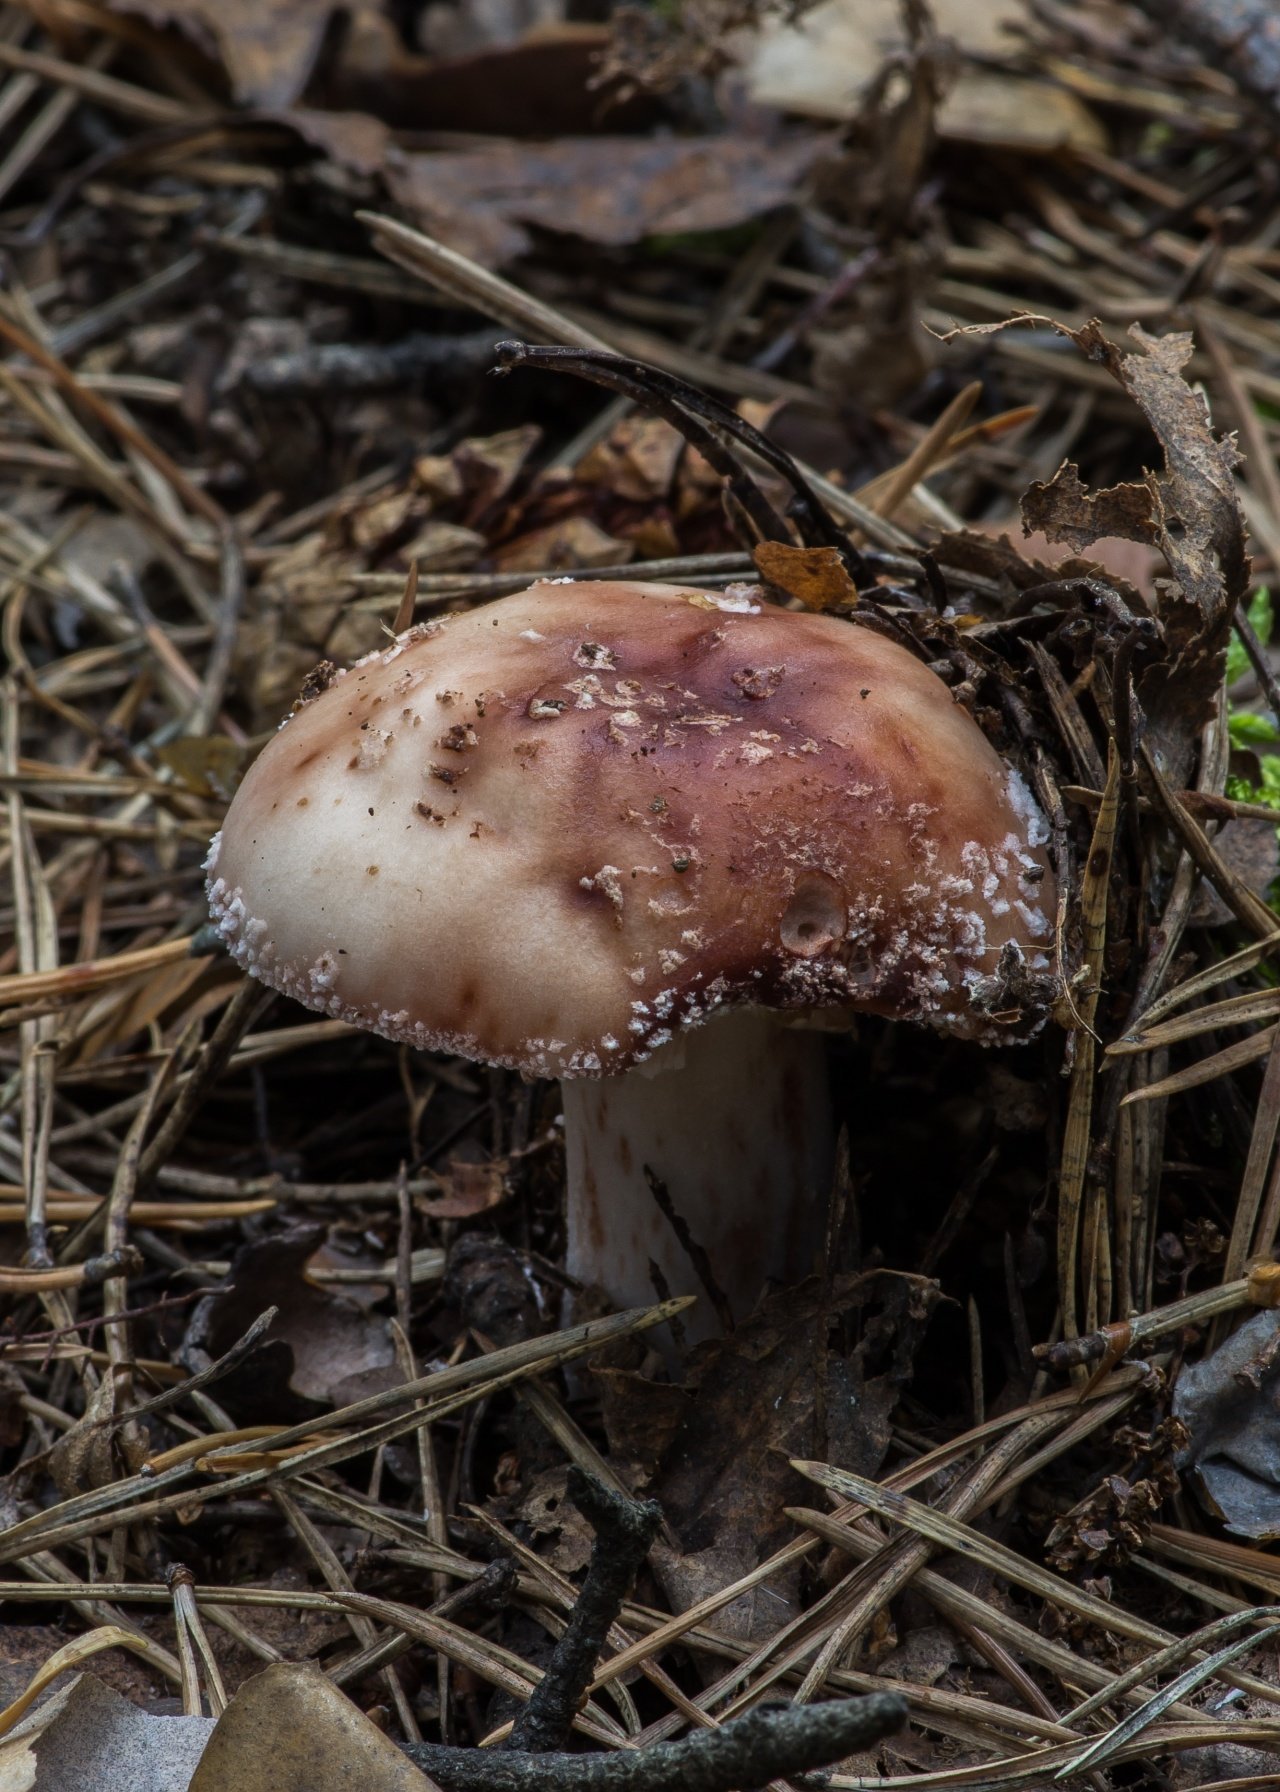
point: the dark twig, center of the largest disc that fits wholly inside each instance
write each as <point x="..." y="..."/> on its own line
<point x="810" y="514"/>
<point x="630" y="379"/>
<point x="325" y="369"/>
<point x="625" y="1530"/>
<point x="98" y="1321"/>
<point x="1258" y="660"/>
<point x="771" y="1742"/>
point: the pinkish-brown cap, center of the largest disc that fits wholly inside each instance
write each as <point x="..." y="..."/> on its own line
<point x="549" y="832"/>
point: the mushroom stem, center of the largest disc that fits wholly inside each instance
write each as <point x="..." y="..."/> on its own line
<point x="734" y="1118"/>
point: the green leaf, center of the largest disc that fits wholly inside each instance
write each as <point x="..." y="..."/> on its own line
<point x="1248" y="729"/>
<point x="1262" y="621"/>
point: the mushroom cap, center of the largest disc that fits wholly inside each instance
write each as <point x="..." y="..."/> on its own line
<point x="550" y="831"/>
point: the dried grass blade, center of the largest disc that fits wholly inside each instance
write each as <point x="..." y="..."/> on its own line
<point x="78" y="979"/>
<point x="1134" y="1725"/>
<point x="1075" y="1141"/>
<point x="1208" y="978"/>
<point x="896" y="484"/>
<point x="1234" y="1011"/>
<point x="1223" y="1063"/>
<point x="949" y="1533"/>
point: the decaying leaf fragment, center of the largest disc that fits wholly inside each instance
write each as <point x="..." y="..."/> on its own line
<point x="1189" y="511"/>
<point x="289" y="1729"/>
<point x="1230" y="1403"/>
<point x="268" y="50"/>
<point x="88" y="1736"/>
<point x="323" y="1349"/>
<point x="817" y="577"/>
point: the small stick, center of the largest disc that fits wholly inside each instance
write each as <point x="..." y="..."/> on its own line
<point x="89" y="1274"/>
<point x="658" y="390"/>
<point x="625" y="1530"/>
<point x="768" y="1743"/>
<point x="1260" y="1288"/>
<point x="632" y="379"/>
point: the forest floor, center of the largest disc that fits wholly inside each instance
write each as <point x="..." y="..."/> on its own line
<point x="1011" y="1452"/>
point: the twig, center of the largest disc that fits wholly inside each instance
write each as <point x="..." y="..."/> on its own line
<point x="1257" y="1289"/>
<point x="638" y="383"/>
<point x="625" y="1530"/>
<point x="658" y="391"/>
<point x="89" y="1274"/>
<point x="768" y="1743"/>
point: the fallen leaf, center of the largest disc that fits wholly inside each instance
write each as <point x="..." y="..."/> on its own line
<point x="1228" y="1402"/>
<point x="574" y="544"/>
<point x="1189" y="511"/>
<point x="637" y="459"/>
<point x="355" y="140"/>
<point x="816" y="577"/>
<point x="206" y="764"/>
<point x="323" y="1350"/>
<point x="826" y="63"/>
<point x="97" y="1449"/>
<point x="467" y="1189"/>
<point x="268" y="47"/>
<point x="728" y="1474"/>
<point x="87" y="1736"/>
<point x="545" y="85"/>
<point x="608" y="190"/>
<point x="1250" y="849"/>
<point x="289" y="1729"/>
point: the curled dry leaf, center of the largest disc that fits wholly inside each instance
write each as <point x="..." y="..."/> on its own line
<point x="87" y="1736"/>
<point x="609" y="190"/>
<point x="323" y="1349"/>
<point x="1189" y="511"/>
<point x="1229" y="1404"/>
<point x="815" y="577"/>
<point x="289" y="1729"/>
<point x="99" y="1448"/>
<point x="268" y="47"/>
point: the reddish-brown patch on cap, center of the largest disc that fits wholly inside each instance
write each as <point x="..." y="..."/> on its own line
<point x="600" y="811"/>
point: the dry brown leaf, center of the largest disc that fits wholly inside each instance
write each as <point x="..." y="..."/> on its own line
<point x="354" y="140"/>
<point x="1189" y="511"/>
<point x="728" y="1475"/>
<point x="571" y="545"/>
<point x="88" y="1737"/>
<point x="1228" y="1404"/>
<point x="97" y="1450"/>
<point x="208" y="764"/>
<point x="268" y="47"/>
<point x="609" y="190"/>
<point x="637" y="460"/>
<point x="815" y="577"/>
<point x="468" y="1189"/>
<point x="322" y="1348"/>
<point x="289" y="1729"/>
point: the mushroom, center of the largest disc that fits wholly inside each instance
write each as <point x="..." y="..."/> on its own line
<point x="629" y="836"/>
